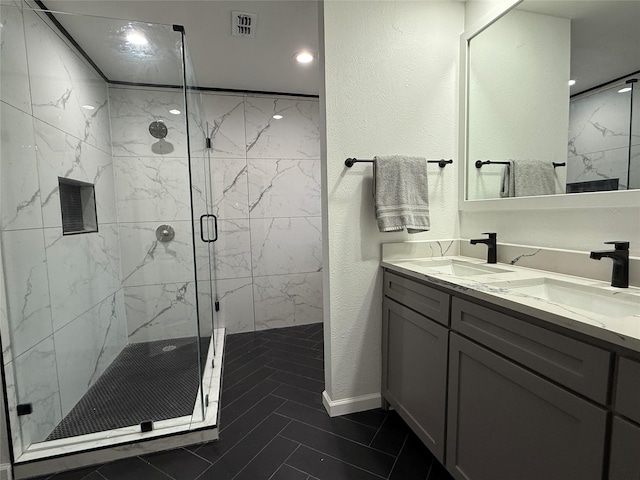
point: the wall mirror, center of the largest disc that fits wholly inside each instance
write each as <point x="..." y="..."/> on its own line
<point x="528" y="132"/>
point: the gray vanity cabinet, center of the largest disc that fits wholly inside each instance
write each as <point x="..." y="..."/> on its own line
<point x="506" y="422"/>
<point x="414" y="373"/>
<point x="624" y="462"/>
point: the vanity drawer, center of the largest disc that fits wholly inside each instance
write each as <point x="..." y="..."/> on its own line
<point x="428" y="301"/>
<point x="574" y="364"/>
<point x="627" y="400"/>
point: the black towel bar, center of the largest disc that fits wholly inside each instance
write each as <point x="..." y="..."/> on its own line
<point x="480" y="163"/>
<point x="441" y="163"/>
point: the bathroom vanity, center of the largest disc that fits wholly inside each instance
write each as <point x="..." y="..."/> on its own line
<point x="507" y="372"/>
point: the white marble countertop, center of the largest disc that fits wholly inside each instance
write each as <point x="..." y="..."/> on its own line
<point x="622" y="330"/>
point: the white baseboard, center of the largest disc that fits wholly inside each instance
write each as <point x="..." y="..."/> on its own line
<point x="351" y="404"/>
<point x="5" y="472"/>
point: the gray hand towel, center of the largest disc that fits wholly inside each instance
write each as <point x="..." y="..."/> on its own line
<point x="525" y="178"/>
<point x="401" y="193"/>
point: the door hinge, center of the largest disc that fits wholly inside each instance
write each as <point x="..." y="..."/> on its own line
<point x="208" y="142"/>
<point x="146" y="426"/>
<point x="217" y="306"/>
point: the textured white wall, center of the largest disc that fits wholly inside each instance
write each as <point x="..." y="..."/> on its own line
<point x="518" y="96"/>
<point x="390" y="86"/>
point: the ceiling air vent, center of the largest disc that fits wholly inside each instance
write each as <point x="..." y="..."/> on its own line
<point x="243" y="24"/>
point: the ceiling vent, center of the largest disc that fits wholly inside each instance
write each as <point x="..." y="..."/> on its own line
<point x="243" y="24"/>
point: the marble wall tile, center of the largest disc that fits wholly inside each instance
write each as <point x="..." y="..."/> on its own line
<point x="160" y="312"/>
<point x="86" y="346"/>
<point x="19" y="181"/>
<point x="63" y="155"/>
<point x="599" y="166"/>
<point x="231" y="252"/>
<point x="14" y="76"/>
<point x="206" y="310"/>
<point x="12" y="401"/>
<point x="236" y="305"/>
<point x="284" y="188"/>
<point x="152" y="189"/>
<point x="287" y="300"/>
<point x="224" y="124"/>
<point x="296" y="135"/>
<point x="599" y="122"/>
<point x="37" y="383"/>
<point x="227" y="180"/>
<point x="133" y="109"/>
<point x="230" y="190"/>
<point x="83" y="270"/>
<point x="27" y="289"/>
<point x="61" y="83"/>
<point x="286" y="245"/>
<point x="147" y="261"/>
<point x="5" y="336"/>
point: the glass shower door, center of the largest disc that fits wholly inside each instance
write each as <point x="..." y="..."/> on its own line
<point x="205" y="228"/>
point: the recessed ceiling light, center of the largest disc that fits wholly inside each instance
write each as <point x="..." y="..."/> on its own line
<point x="304" y="57"/>
<point x="174" y="111"/>
<point x="624" y="90"/>
<point x="136" y="38"/>
<point x="572" y="83"/>
<point x="277" y="117"/>
<point x="88" y="107"/>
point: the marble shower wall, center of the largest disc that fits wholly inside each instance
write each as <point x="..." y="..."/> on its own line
<point x="266" y="188"/>
<point x="599" y="139"/>
<point x="152" y="189"/>
<point x="265" y="177"/>
<point x="64" y="321"/>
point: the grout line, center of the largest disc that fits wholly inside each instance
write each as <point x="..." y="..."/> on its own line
<point x="398" y="456"/>
<point x="336" y="435"/>
<point x="379" y="428"/>
<point x="285" y="460"/>
<point x="268" y="443"/>
<point x="249" y="391"/>
<point x="342" y="461"/>
<point x="231" y="385"/>
<point x="155" y="468"/>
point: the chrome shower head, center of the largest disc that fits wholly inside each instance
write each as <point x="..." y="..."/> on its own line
<point x="158" y="129"/>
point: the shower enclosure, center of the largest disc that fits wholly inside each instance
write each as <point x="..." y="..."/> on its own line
<point x="107" y="324"/>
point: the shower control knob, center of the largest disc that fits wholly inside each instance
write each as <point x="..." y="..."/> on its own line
<point x="165" y="233"/>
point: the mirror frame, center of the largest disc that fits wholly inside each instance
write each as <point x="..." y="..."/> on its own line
<point x="620" y="198"/>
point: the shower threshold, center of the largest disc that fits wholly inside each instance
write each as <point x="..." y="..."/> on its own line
<point x="106" y="445"/>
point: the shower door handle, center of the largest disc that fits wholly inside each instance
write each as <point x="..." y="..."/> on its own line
<point x="215" y="227"/>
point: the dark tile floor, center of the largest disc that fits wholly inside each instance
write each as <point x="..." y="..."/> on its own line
<point x="273" y="426"/>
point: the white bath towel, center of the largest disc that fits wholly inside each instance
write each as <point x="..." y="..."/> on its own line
<point x="525" y="178"/>
<point x="401" y="192"/>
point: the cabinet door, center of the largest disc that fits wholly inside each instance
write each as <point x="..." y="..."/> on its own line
<point x="627" y="402"/>
<point x="414" y="372"/>
<point x="625" y="450"/>
<point x="505" y="422"/>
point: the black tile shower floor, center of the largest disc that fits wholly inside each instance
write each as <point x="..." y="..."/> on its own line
<point x="154" y="381"/>
<point x="273" y="426"/>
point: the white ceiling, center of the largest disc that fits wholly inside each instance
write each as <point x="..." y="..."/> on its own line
<point x="263" y="63"/>
<point x="605" y="40"/>
<point x="605" y="37"/>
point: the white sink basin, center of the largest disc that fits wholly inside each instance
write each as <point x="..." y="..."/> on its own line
<point x="459" y="268"/>
<point x="591" y="299"/>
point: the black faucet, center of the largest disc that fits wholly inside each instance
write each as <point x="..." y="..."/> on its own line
<point x="620" y="257"/>
<point x="492" y="247"/>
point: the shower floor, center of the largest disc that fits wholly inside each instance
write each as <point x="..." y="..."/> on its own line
<point x="147" y="381"/>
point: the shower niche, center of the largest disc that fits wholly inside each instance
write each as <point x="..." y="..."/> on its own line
<point x="109" y="335"/>
<point x="77" y="206"/>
